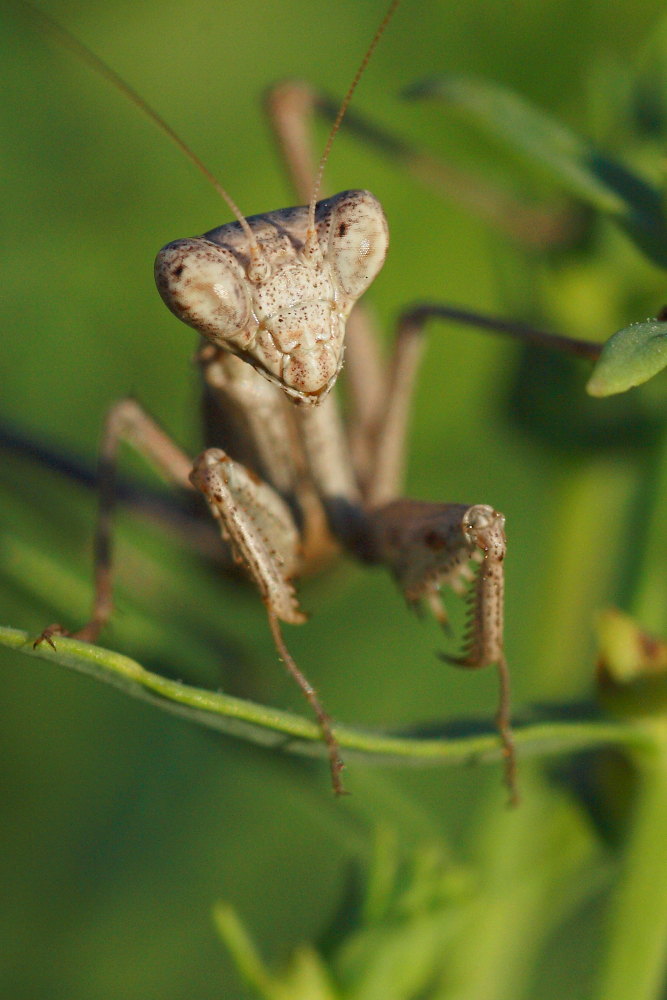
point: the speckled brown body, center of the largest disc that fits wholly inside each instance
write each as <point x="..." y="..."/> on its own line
<point x="273" y="307"/>
<point x="283" y="474"/>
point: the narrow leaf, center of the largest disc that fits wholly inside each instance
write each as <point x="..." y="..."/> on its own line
<point x="573" y="161"/>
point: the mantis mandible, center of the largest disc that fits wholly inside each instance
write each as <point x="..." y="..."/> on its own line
<point x="274" y="299"/>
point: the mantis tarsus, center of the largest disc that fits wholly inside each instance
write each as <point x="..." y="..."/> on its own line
<point x="286" y="479"/>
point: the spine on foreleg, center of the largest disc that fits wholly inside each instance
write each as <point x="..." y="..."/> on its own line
<point x="428" y="546"/>
<point x="484" y="633"/>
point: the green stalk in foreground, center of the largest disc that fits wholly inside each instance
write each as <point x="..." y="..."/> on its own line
<point x="636" y="951"/>
<point x="273" y="727"/>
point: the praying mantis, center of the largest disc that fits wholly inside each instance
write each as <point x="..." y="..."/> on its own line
<point x="287" y="465"/>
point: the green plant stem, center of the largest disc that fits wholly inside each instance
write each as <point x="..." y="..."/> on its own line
<point x="285" y="730"/>
<point x="636" y="952"/>
<point x="585" y="504"/>
<point x="649" y="598"/>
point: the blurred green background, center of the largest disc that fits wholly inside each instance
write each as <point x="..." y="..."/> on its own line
<point x="121" y="826"/>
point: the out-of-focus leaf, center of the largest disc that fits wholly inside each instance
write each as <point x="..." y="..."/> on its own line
<point x="573" y="161"/>
<point x="630" y="357"/>
<point x="304" y="978"/>
<point x="632" y="666"/>
<point x="626" y="651"/>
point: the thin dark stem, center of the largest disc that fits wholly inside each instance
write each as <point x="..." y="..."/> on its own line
<point x="521" y="331"/>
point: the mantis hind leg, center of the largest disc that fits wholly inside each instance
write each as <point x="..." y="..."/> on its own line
<point x="126" y="422"/>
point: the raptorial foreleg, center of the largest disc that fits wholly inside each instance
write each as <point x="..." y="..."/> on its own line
<point x="261" y="530"/>
<point x="427" y="546"/>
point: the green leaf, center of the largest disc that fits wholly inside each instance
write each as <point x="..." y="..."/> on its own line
<point x="630" y="357"/>
<point x="573" y="161"/>
<point x="304" y="978"/>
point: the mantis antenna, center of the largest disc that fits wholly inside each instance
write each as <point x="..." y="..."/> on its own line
<point x="342" y="110"/>
<point x="99" y="66"/>
<point x="102" y="68"/>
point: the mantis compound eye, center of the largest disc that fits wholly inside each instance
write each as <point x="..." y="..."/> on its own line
<point x="478" y="517"/>
<point x="204" y="285"/>
<point x="358" y="239"/>
<point x="483" y="526"/>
